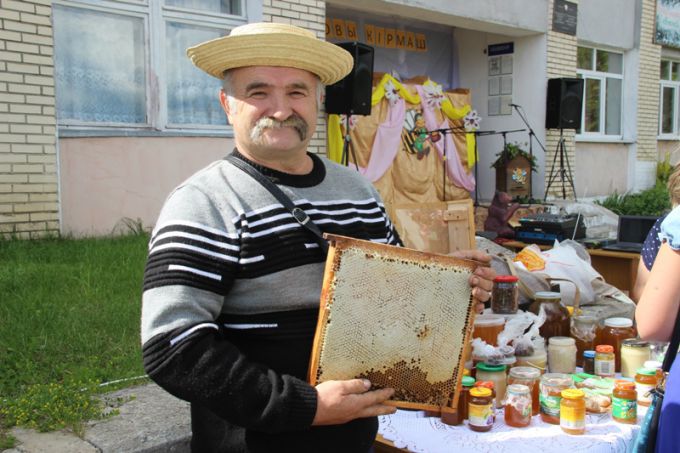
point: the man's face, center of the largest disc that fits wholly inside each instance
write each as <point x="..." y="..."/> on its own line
<point x="273" y="109"/>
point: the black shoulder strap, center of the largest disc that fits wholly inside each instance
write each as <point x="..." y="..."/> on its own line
<point x="672" y="350"/>
<point x="298" y="214"/>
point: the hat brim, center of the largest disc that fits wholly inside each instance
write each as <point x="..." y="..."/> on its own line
<point x="329" y="62"/>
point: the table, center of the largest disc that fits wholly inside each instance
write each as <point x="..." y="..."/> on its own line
<point x="412" y="431"/>
<point x="617" y="268"/>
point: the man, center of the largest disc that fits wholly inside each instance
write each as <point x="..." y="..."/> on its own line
<point x="232" y="283"/>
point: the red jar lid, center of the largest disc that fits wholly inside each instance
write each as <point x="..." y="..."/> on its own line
<point x="505" y="279"/>
<point x="604" y="348"/>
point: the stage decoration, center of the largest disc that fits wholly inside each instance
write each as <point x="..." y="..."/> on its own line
<point x="421" y="120"/>
<point x="472" y="121"/>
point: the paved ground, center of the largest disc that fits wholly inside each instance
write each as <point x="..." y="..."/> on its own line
<point x="150" y="421"/>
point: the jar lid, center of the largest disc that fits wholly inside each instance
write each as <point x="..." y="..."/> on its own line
<point x="485" y="384"/>
<point x="604" y="348"/>
<point x="618" y="322"/>
<point x="524" y="372"/>
<point x="646" y="371"/>
<point x="546" y="295"/>
<point x="468" y="381"/>
<point x="624" y="385"/>
<point x="505" y="279"/>
<point x="589" y="354"/>
<point x="585" y="319"/>
<point x="480" y="392"/>
<point x="561" y="341"/>
<point x="489" y="320"/>
<point x="634" y="343"/>
<point x="517" y="389"/>
<point x="572" y="394"/>
<point x="490" y="367"/>
<point x="652" y="364"/>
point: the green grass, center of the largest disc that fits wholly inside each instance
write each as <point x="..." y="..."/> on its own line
<point x="69" y="319"/>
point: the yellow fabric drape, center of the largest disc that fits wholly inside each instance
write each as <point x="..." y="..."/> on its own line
<point x="335" y="140"/>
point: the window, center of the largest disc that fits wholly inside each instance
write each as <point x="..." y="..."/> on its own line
<point x="669" y="119"/>
<point x="123" y="64"/>
<point x="602" y="72"/>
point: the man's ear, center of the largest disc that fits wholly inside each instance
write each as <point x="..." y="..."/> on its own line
<point x="224" y="102"/>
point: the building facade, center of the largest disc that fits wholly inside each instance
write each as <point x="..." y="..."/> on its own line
<point x="102" y="114"/>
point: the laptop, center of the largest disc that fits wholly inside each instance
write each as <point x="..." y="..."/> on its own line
<point x="632" y="232"/>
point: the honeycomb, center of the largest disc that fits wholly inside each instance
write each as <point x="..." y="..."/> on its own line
<point x="395" y="316"/>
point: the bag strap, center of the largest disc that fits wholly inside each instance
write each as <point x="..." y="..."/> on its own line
<point x="299" y="215"/>
<point x="672" y="350"/>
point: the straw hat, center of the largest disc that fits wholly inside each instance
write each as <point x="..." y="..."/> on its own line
<point x="272" y="44"/>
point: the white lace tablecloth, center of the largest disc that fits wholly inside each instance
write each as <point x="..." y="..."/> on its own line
<point x="413" y="431"/>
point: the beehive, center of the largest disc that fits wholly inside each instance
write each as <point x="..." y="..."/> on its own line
<point x="395" y="316"/>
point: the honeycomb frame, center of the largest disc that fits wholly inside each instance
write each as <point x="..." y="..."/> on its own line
<point x="417" y="346"/>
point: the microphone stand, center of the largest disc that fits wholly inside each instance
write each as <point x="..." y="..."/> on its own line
<point x="443" y="132"/>
<point x="532" y="135"/>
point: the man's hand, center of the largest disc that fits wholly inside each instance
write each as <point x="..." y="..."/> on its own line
<point x="342" y="401"/>
<point x="481" y="281"/>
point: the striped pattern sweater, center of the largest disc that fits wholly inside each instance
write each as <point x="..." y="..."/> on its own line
<point x="231" y="295"/>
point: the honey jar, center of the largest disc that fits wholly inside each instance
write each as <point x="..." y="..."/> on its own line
<point x="505" y="295"/>
<point x="550" y="396"/>
<point x="583" y="330"/>
<point x="613" y="333"/>
<point x="456" y="417"/>
<point x="634" y="354"/>
<point x="557" y="322"/>
<point x="624" y="402"/>
<point x="604" y="360"/>
<point x="530" y="377"/>
<point x="645" y="381"/>
<point x="487" y="328"/>
<point x="561" y="355"/>
<point x="495" y="374"/>
<point x="573" y="411"/>
<point x="480" y="411"/>
<point x="517" y="406"/>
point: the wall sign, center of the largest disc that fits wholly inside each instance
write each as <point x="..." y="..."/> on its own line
<point x="500" y="78"/>
<point x="389" y="38"/>
<point x="565" y="17"/>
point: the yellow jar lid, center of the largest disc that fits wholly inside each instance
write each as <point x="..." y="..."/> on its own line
<point x="573" y="394"/>
<point x="480" y="392"/>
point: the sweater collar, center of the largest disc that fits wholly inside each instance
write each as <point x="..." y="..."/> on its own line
<point x="314" y="177"/>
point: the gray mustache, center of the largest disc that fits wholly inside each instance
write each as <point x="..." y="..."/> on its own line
<point x="294" y="121"/>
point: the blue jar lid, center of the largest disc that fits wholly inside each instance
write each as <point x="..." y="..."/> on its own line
<point x="589" y="354"/>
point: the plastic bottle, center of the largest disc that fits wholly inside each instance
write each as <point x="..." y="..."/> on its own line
<point x="573" y="411"/>
<point x="624" y="402"/>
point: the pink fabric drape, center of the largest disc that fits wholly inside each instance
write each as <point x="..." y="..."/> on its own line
<point x="455" y="169"/>
<point x="386" y="143"/>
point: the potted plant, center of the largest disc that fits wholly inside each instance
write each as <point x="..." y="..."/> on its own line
<point x="513" y="171"/>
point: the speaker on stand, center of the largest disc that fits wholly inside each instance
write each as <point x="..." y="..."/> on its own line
<point x="352" y="95"/>
<point x="564" y="104"/>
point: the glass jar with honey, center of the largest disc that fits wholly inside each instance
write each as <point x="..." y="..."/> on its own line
<point x="561" y="355"/>
<point x="604" y="360"/>
<point x="613" y="333"/>
<point x="645" y="382"/>
<point x="583" y="331"/>
<point x="487" y="328"/>
<point x="550" y="395"/>
<point x="505" y="295"/>
<point x="538" y="360"/>
<point x="634" y="354"/>
<point x="480" y="411"/>
<point x="517" y="406"/>
<point x="456" y="417"/>
<point x="557" y="322"/>
<point x="495" y="374"/>
<point x="573" y="411"/>
<point x="624" y="402"/>
<point x="530" y="377"/>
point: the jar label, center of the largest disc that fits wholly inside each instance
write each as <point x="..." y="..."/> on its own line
<point x="550" y="405"/>
<point x="480" y="414"/>
<point x="624" y="409"/>
<point x="642" y="390"/>
<point x="572" y="417"/>
<point x="604" y="367"/>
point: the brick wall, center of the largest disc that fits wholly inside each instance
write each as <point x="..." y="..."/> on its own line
<point x="28" y="162"/>
<point x="648" y="88"/>
<point x="561" y="63"/>
<point x="309" y="14"/>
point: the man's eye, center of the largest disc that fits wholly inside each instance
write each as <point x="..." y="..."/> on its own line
<point x="298" y="94"/>
<point x="258" y="94"/>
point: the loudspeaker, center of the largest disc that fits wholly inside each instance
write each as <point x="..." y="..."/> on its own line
<point x="564" y="103"/>
<point x="352" y="95"/>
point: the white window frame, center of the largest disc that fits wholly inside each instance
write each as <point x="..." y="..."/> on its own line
<point x="602" y="77"/>
<point x="155" y="15"/>
<point x="675" y="84"/>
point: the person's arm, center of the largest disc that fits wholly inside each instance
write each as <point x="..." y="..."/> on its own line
<point x="658" y="306"/>
<point x="640" y="281"/>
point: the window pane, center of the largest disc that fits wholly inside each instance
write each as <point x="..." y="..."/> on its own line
<point x="674" y="71"/>
<point x="192" y="94"/>
<point x="609" y="62"/>
<point x="592" y="114"/>
<point x="99" y="66"/>
<point x="667" y="109"/>
<point x="665" y="65"/>
<point x="612" y="107"/>
<point x="584" y="57"/>
<point x="213" y="6"/>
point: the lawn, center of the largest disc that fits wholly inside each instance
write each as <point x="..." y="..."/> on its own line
<point x="69" y="320"/>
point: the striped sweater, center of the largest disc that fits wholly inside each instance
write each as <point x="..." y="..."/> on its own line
<point x="230" y="302"/>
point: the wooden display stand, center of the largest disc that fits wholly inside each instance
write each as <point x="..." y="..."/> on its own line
<point x="515" y="177"/>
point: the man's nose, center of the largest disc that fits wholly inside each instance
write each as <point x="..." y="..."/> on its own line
<point x="280" y="108"/>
